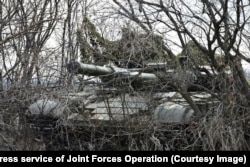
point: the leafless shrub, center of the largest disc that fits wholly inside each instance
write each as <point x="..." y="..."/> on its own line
<point x="212" y="38"/>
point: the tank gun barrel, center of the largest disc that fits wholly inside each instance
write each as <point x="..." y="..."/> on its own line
<point x="95" y="70"/>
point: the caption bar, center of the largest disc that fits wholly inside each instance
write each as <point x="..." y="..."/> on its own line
<point x="173" y="159"/>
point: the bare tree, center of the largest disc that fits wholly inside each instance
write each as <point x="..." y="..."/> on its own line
<point x="27" y="25"/>
<point x="218" y="30"/>
<point x="215" y="27"/>
<point x="204" y="43"/>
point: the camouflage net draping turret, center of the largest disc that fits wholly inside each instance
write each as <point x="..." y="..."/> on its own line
<point x="132" y="50"/>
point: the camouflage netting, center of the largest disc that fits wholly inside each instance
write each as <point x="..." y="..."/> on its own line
<point x="195" y="56"/>
<point x="132" y="50"/>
